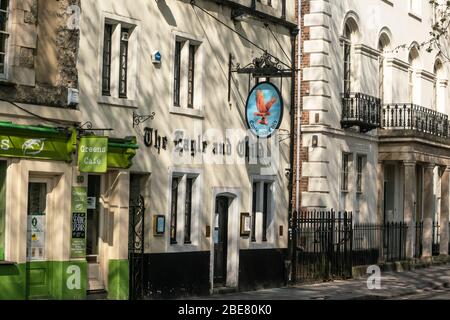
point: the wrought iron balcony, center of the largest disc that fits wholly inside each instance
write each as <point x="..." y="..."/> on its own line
<point x="361" y="110"/>
<point x="416" y="118"/>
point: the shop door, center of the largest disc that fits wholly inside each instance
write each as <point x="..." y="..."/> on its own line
<point x="95" y="282"/>
<point x="220" y="242"/>
<point x="37" y="268"/>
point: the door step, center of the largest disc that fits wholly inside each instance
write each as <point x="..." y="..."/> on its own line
<point x="95" y="279"/>
<point x="95" y="285"/>
<point x="224" y="290"/>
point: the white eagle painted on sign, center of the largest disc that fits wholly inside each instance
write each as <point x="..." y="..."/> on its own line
<point x="33" y="147"/>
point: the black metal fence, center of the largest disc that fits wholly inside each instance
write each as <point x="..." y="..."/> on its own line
<point x="418" y="240"/>
<point x="322" y="245"/>
<point x="436" y="244"/>
<point x="373" y="243"/>
<point x="409" y="116"/>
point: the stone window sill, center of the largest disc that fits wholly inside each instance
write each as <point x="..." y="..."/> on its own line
<point x="195" y="113"/>
<point x="117" y="102"/>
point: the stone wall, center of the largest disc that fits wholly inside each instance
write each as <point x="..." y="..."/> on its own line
<point x="43" y="52"/>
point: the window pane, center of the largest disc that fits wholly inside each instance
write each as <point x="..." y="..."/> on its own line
<point x="347" y="68"/>
<point x="265" y="210"/>
<point x="188" y="210"/>
<point x="177" y="74"/>
<point x="254" y="199"/>
<point x="3" y="20"/>
<point x="4" y="4"/>
<point x="191" y="75"/>
<point x="345" y="160"/>
<point x="173" y="211"/>
<point x="106" y="82"/>
<point x="125" y="33"/>
<point x="360" y="165"/>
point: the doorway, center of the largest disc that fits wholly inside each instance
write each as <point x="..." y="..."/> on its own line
<point x="221" y="241"/>
<point x="37" y="267"/>
<point x="93" y="233"/>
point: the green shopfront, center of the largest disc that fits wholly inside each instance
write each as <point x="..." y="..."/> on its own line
<point x="63" y="213"/>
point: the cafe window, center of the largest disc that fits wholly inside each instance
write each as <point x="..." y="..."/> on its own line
<point x="4" y="35"/>
<point x="119" y="58"/>
<point x="123" y="80"/>
<point x="262" y="198"/>
<point x="106" y="83"/>
<point x="2" y="208"/>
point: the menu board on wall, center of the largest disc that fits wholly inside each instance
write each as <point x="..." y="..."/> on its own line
<point x="79" y="222"/>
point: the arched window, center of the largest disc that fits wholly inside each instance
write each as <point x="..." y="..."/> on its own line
<point x="350" y="31"/>
<point x="384" y="44"/>
<point x="414" y="62"/>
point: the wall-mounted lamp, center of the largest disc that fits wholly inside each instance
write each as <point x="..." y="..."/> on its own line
<point x="315" y="141"/>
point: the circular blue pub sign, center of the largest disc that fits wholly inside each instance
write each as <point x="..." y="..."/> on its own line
<point x="264" y="109"/>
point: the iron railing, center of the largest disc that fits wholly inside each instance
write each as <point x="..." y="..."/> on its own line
<point x="418" y="240"/>
<point x="436" y="244"/>
<point x="361" y="110"/>
<point x="373" y="243"/>
<point x="409" y="116"/>
<point x="323" y="245"/>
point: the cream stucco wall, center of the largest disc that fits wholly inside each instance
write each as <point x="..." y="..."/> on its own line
<point x="157" y="25"/>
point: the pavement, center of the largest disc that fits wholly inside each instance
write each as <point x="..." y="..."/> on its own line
<point x="426" y="284"/>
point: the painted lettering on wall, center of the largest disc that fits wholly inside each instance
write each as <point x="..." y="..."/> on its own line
<point x="74" y="280"/>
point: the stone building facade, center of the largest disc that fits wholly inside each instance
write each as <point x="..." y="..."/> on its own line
<point x="375" y="105"/>
<point x="112" y="112"/>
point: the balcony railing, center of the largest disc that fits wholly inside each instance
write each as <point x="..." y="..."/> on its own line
<point x="415" y="118"/>
<point x="361" y="110"/>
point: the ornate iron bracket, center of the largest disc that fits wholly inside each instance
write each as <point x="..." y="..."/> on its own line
<point x="88" y="126"/>
<point x="138" y="119"/>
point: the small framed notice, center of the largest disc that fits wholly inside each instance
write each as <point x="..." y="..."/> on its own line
<point x="159" y="225"/>
<point x="246" y="224"/>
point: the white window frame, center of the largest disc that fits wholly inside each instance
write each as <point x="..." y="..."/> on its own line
<point x="133" y="60"/>
<point x="271" y="221"/>
<point x="196" y="210"/>
<point x="199" y="75"/>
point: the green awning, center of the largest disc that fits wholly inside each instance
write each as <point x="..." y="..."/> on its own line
<point x="37" y="142"/>
<point x="121" y="152"/>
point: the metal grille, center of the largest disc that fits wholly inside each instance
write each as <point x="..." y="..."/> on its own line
<point x="136" y="248"/>
<point x="322" y="245"/>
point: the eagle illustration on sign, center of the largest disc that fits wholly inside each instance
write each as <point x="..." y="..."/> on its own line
<point x="264" y="109"/>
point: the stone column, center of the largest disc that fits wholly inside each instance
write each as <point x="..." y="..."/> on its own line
<point x="428" y="210"/>
<point x="409" y="205"/>
<point x="444" y="210"/>
<point x="380" y="189"/>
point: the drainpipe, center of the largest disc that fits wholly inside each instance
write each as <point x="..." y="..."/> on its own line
<point x="299" y="114"/>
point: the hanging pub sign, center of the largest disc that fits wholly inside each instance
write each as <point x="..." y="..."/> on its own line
<point x="264" y="109"/>
<point x="93" y="154"/>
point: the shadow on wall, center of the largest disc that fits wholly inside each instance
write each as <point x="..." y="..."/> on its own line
<point x="166" y="12"/>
